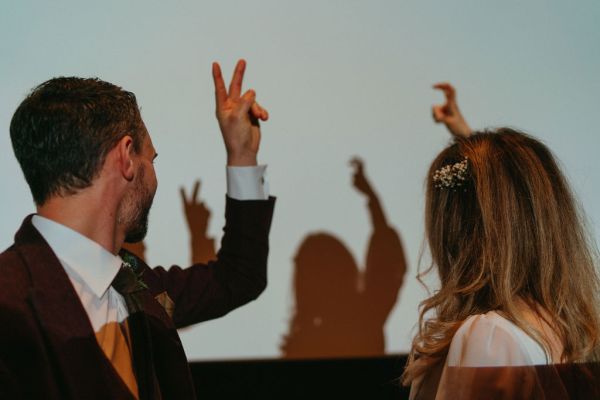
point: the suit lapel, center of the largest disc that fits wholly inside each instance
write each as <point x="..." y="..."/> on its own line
<point x="84" y="370"/>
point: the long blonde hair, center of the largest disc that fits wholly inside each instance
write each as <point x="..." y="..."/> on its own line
<point x="511" y="232"/>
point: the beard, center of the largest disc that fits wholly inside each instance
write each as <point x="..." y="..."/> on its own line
<point x="137" y="209"/>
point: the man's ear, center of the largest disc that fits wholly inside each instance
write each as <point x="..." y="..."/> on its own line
<point x="125" y="152"/>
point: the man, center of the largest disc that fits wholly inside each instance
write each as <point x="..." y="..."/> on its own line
<point x="78" y="318"/>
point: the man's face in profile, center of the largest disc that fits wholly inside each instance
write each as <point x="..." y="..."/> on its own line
<point x="137" y="203"/>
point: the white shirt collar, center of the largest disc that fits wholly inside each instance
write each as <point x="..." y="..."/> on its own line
<point x="92" y="263"/>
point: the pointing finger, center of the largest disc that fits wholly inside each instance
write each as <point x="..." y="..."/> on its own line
<point x="235" y="87"/>
<point x="220" y="91"/>
<point x="447" y="88"/>
<point x="182" y="193"/>
<point x="442" y="85"/>
<point x="194" y="198"/>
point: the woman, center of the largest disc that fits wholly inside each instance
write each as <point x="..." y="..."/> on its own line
<point x="519" y="285"/>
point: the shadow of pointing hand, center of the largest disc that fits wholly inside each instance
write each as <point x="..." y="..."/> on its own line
<point x="359" y="180"/>
<point x="340" y="309"/>
<point x="197" y="216"/>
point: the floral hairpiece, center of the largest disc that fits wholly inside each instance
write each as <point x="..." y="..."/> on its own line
<point x="451" y="176"/>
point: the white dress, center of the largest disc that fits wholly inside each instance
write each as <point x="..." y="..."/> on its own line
<point x="489" y="340"/>
<point x="489" y="357"/>
<point x="489" y="354"/>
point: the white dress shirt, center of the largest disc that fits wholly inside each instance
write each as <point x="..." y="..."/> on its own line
<point x="91" y="268"/>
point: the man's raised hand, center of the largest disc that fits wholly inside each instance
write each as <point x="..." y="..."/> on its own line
<point x="448" y="113"/>
<point x="238" y="115"/>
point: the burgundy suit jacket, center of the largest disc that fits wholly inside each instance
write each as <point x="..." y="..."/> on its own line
<point x="48" y="349"/>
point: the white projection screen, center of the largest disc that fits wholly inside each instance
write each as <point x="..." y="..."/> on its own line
<point x="340" y="79"/>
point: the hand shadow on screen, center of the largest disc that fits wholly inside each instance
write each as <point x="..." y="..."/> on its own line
<point x="339" y="310"/>
<point x="197" y="215"/>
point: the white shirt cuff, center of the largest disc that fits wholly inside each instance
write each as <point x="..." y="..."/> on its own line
<point x="247" y="183"/>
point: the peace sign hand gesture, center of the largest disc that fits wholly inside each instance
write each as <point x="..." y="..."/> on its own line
<point x="196" y="212"/>
<point x="238" y="115"/>
<point x="448" y="113"/>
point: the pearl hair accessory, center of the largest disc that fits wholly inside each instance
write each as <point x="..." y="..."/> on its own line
<point x="451" y="176"/>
